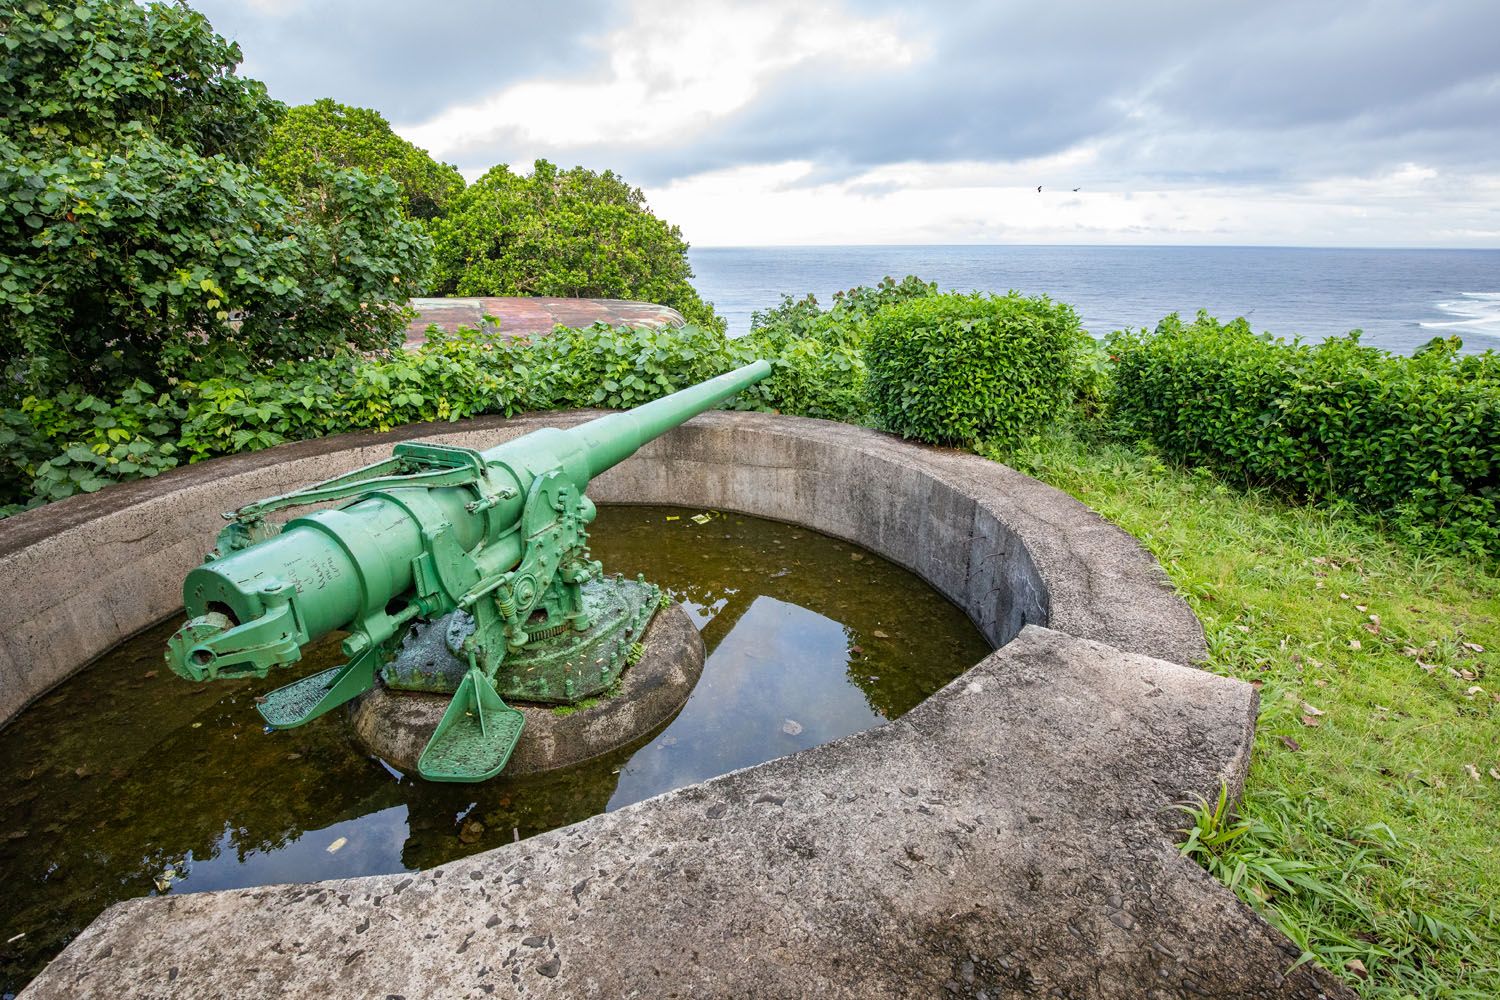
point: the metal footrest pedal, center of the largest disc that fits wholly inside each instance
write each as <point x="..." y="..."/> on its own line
<point x="302" y="701"/>
<point x="476" y="736"/>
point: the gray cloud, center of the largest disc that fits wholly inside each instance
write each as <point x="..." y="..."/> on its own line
<point x="1227" y="93"/>
<point x="407" y="60"/>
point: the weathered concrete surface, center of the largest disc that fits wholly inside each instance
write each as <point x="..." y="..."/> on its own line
<point x="526" y="316"/>
<point x="396" y="725"/>
<point x="1010" y="837"/>
<point x="80" y="576"/>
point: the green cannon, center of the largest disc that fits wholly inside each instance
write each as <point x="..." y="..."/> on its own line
<point x="451" y="570"/>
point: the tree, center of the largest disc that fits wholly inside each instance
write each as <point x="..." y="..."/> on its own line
<point x="562" y="232"/>
<point x="330" y="133"/>
<point x="84" y="73"/>
<point x="135" y="237"/>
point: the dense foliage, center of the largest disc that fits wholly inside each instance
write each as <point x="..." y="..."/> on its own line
<point x="73" y="441"/>
<point x="818" y="355"/>
<point x="332" y="134"/>
<point x="134" y="238"/>
<point x="1414" y="438"/>
<point x="562" y="232"/>
<point x="845" y="322"/>
<point x="52" y="446"/>
<point x="82" y="74"/>
<point x="958" y="369"/>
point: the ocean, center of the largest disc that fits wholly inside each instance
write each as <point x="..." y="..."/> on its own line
<point x="1400" y="298"/>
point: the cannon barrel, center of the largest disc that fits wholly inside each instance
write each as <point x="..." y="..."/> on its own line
<point x="369" y="566"/>
<point x="611" y="439"/>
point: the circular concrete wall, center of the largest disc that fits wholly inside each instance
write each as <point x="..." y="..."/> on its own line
<point x="1015" y="833"/>
<point x="80" y="576"/>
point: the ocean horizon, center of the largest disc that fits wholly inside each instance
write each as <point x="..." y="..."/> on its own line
<point x="1400" y="298"/>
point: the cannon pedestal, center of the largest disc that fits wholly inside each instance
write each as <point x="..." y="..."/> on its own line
<point x="396" y="725"/>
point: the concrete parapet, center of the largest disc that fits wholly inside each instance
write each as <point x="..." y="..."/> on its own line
<point x="1012" y="836"/>
<point x="80" y="576"/>
<point x="1009" y="837"/>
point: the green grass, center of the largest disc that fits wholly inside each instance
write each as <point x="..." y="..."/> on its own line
<point x="1364" y="833"/>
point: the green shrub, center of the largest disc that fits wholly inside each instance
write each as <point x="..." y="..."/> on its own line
<point x="76" y="442"/>
<point x="449" y="378"/>
<point x="864" y="301"/>
<point x="73" y="441"/>
<point x="562" y="232"/>
<point x="132" y="230"/>
<point x="844" y="323"/>
<point x="327" y="133"/>
<point x="1416" y="439"/>
<point x="619" y="367"/>
<point x="87" y="72"/>
<point x="818" y="354"/>
<point x="810" y="378"/>
<point x="957" y="369"/>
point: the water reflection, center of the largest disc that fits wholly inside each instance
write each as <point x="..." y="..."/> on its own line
<point x="127" y="781"/>
<point x="769" y="690"/>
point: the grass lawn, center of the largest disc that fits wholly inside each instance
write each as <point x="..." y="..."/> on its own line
<point x="1370" y="831"/>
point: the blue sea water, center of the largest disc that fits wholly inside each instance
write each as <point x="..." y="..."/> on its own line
<point x="1400" y="298"/>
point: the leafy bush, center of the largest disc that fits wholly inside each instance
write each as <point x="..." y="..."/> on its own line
<point x="620" y="367"/>
<point x="811" y="378"/>
<point x="74" y="441"/>
<point x="131" y="229"/>
<point x="1416" y="439"/>
<point x="88" y="72"/>
<point x="332" y="134"/>
<point x="563" y="232"/>
<point x="818" y="354"/>
<point x="845" y="322"/>
<point x="957" y="369"/>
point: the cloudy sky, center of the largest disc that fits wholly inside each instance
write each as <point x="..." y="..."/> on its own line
<point x="1290" y="122"/>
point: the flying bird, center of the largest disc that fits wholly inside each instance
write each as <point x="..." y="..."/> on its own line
<point x="1038" y="189"/>
<point x="1076" y="190"/>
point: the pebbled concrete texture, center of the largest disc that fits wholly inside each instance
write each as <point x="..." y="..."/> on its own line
<point x="1010" y="837"/>
<point x="396" y="725"/>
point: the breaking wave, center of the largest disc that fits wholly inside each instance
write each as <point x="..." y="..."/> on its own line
<point x="1472" y="312"/>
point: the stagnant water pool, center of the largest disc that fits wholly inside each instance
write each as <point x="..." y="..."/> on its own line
<point x="129" y="781"/>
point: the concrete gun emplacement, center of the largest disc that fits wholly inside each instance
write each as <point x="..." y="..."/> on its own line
<point x="489" y="547"/>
